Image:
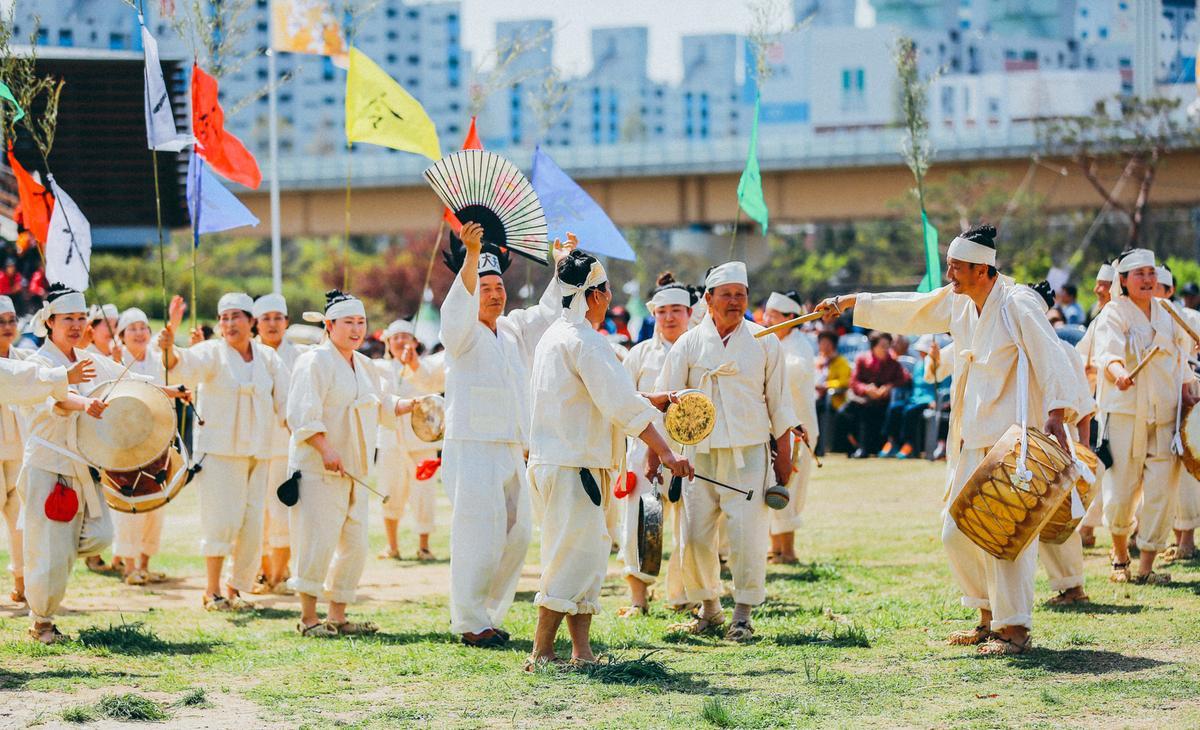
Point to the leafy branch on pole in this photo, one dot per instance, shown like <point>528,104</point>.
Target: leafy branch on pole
<point>914,98</point>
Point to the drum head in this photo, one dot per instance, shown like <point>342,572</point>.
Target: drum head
<point>691,419</point>
<point>650,533</point>
<point>136,429</point>
<point>1189,433</point>
<point>429,418</point>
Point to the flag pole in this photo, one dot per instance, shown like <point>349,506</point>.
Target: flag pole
<point>346,229</point>
<point>737,221</point>
<point>196,229</point>
<point>162,257</point>
<point>273,161</point>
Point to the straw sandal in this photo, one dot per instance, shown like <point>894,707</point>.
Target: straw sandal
<point>740,631</point>
<point>999,646</point>
<point>101,567</point>
<point>48,635</point>
<point>353,628</point>
<point>389,554</point>
<point>970,637</point>
<point>425,555</point>
<point>532,664</point>
<point>319,630</point>
<point>1175,554</point>
<point>155,576</point>
<point>1120,572</point>
<point>281,589</point>
<point>1068,598</point>
<point>16,596</point>
<point>237,603</point>
<point>486,639</point>
<point>137,578</point>
<point>699,625</point>
<point>1151,579</point>
<point>633,611</point>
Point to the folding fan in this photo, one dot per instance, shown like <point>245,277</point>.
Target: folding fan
<point>483,187</point>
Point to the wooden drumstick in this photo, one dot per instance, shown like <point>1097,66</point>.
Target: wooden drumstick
<point>816,459</point>
<point>790,323</point>
<point>1179,320</point>
<point>368,487</point>
<point>1145,361</point>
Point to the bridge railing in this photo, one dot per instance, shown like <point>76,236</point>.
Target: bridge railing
<point>805,150</point>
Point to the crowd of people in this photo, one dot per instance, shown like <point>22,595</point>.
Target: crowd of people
<point>550,422</point>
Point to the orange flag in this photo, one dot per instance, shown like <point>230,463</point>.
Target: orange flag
<point>36,203</point>
<point>470,143</point>
<point>223,152</point>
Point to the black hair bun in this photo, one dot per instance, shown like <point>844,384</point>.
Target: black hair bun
<point>333,296</point>
<point>1045,291</point>
<point>58,289</point>
<point>575,267</point>
<point>665,278</point>
<point>984,234</point>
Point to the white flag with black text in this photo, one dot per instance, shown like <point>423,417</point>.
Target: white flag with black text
<point>161,134</point>
<point>68,242</point>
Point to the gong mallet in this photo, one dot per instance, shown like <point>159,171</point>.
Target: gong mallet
<point>816,459</point>
<point>1145,361</point>
<point>1180,320</point>
<point>366,486</point>
<point>199,419</point>
<point>794,322</point>
<point>677,487</point>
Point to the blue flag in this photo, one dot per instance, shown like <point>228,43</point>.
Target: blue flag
<point>219,209</point>
<point>569,208</point>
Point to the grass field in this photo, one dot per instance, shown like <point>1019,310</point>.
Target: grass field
<point>852,638</point>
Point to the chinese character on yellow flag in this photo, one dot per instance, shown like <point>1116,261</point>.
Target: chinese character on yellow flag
<point>306,26</point>
<point>380,111</point>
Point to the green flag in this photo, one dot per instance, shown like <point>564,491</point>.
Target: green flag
<point>750,191</point>
<point>6,93</point>
<point>933,261</point>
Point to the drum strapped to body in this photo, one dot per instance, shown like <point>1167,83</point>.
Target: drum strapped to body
<point>429,418</point>
<point>690,417</point>
<point>1189,434</point>
<point>1062,522</point>
<point>650,532</point>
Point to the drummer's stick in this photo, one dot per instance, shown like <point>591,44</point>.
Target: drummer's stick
<point>1180,320</point>
<point>1145,361</point>
<point>368,487</point>
<point>816,459</point>
<point>196,413</point>
<point>795,321</point>
<point>119,379</point>
<point>749,494</point>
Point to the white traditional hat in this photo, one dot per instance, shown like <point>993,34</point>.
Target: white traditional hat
<point>235,301</point>
<point>6,306</point>
<point>1164,276</point>
<point>398,327</point>
<point>1106,273</point>
<point>732,272</point>
<point>783,303</point>
<point>269,303</point>
<point>129,316</point>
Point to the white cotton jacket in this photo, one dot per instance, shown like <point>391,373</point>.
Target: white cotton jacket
<point>399,380</point>
<point>800,368</point>
<point>584,402</point>
<point>328,396</point>
<point>281,436</point>
<point>1123,334</point>
<point>241,413</point>
<point>23,384</point>
<point>984,402</point>
<point>745,379</point>
<point>487,373</point>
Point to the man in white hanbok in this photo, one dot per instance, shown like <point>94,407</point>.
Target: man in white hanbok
<point>1086,349</point>
<point>242,385</point>
<point>1141,490</point>
<point>800,369</point>
<point>487,432</point>
<point>334,409</point>
<point>672,308</point>
<point>990,320</point>
<point>745,378</point>
<point>585,405</point>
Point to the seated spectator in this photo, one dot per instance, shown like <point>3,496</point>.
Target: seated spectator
<point>904,427</point>
<point>900,346</point>
<point>876,374</point>
<point>833,381</point>
<point>1057,321</point>
<point>1069,306</point>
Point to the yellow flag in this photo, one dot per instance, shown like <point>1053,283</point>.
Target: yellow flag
<point>306,26</point>
<point>380,111</point>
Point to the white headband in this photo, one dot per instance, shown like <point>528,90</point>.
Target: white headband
<point>346,308</point>
<point>733,272</point>
<point>399,327</point>
<point>596,276</point>
<point>1164,276</point>
<point>783,303</point>
<point>971,252</point>
<point>129,316</point>
<point>66,304</point>
<point>269,303</point>
<point>488,262</point>
<point>1106,273</point>
<point>108,312</point>
<point>234,301</point>
<point>6,306</point>
<point>671,296</point>
<point>1136,259</point>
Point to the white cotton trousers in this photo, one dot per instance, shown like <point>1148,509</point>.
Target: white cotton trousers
<point>746,523</point>
<point>1005,587</point>
<point>276,534</point>
<point>1095,512</point>
<point>789,518</point>
<point>1063,563</point>
<point>232,491</point>
<point>137,534</point>
<point>329,537</point>
<point>52,547</point>
<point>574,536</point>
<point>396,475</point>
<point>1154,482</point>
<point>490,530</point>
<point>1188,515</point>
<point>10,505</point>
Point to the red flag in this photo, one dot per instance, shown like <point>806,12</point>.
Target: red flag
<point>36,203</point>
<point>470,143</point>
<point>224,152</point>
